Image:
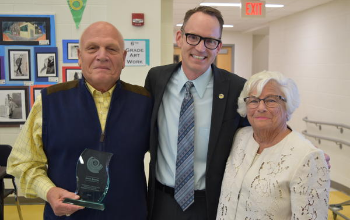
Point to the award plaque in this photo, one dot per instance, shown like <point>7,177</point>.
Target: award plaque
<point>92,179</point>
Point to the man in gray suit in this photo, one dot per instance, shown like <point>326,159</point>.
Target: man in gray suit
<point>215,92</point>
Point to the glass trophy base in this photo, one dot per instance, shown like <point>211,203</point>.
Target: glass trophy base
<point>87,204</point>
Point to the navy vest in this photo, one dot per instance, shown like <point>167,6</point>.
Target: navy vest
<point>71,124</point>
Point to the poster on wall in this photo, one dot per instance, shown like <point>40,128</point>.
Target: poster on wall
<point>70,73</point>
<point>138,52</point>
<point>25,30</point>
<point>46,64</point>
<point>13,105</point>
<point>46,61</point>
<point>19,64</point>
<point>70,51</point>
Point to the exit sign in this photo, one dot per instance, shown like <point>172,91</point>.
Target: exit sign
<point>253,9</point>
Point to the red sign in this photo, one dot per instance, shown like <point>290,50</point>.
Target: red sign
<point>253,9</point>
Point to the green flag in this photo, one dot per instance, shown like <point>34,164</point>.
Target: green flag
<point>77,8</point>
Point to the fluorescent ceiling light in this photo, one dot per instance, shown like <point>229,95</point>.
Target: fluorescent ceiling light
<point>274,6</point>
<point>238,5</point>
<point>225,25</point>
<point>221,4</point>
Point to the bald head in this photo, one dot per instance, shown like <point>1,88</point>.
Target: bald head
<point>101,55</point>
<point>102,28</point>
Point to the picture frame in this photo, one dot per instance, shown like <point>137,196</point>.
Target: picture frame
<point>70,51</point>
<point>46,64</point>
<point>13,105</point>
<point>35,91</point>
<point>70,73</point>
<point>19,64</point>
<point>26,30</point>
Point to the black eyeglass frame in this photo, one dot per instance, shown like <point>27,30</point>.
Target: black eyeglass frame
<point>278,96</point>
<point>202,38</point>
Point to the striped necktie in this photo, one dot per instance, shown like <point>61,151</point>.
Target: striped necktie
<point>184,179</point>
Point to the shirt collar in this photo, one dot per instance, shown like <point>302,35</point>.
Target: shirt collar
<point>200,84</point>
<point>93,90</point>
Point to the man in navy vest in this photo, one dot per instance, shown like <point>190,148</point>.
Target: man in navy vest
<point>98,112</point>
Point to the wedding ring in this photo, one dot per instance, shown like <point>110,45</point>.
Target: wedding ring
<point>67,215</point>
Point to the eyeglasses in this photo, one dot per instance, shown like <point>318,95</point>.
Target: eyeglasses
<point>271,101</point>
<point>194,40</point>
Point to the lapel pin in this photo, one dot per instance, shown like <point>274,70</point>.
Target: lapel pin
<point>221,96</point>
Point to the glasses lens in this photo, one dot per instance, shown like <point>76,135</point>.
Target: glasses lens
<point>252,102</point>
<point>271,101</point>
<point>192,39</point>
<point>211,43</point>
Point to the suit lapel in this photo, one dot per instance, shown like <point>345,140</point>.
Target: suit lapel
<point>220,95</point>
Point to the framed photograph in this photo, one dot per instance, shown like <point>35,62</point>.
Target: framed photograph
<point>19,64</point>
<point>35,91</point>
<point>46,64</point>
<point>70,51</point>
<point>70,73</point>
<point>13,105</point>
<point>25,30</point>
<point>73,51</point>
<point>2,68</point>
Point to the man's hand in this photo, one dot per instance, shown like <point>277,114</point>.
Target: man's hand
<point>55,197</point>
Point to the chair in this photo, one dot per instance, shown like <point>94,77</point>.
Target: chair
<point>336,208</point>
<point>4,154</point>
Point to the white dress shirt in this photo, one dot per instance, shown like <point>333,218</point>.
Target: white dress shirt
<point>168,121</point>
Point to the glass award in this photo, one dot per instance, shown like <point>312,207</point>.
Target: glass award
<point>92,179</point>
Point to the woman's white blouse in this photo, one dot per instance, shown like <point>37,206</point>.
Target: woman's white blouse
<point>289,180</point>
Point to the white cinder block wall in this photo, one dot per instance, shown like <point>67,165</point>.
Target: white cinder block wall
<point>313,48</point>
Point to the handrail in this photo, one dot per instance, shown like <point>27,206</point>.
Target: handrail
<point>319,123</point>
<point>337,141</point>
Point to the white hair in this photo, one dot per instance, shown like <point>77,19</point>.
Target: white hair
<point>258,82</point>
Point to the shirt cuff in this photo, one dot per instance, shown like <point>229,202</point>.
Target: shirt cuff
<point>43,187</point>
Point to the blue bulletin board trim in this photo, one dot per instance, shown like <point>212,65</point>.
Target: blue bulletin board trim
<point>66,56</point>
<point>147,48</point>
<point>7,70</point>
<point>45,80</point>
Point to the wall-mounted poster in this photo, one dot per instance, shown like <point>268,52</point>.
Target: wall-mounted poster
<point>19,64</point>
<point>46,64</point>
<point>70,73</point>
<point>70,51</point>
<point>26,30</point>
<point>13,105</point>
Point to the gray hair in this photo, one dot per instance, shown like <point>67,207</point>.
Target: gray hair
<point>258,82</point>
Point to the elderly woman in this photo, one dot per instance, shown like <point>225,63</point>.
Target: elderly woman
<point>272,172</point>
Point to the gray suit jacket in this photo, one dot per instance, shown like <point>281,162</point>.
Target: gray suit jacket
<point>224,122</point>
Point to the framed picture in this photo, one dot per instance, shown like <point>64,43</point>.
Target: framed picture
<point>19,64</point>
<point>13,105</point>
<point>2,68</point>
<point>46,64</point>
<point>70,73</point>
<point>25,30</point>
<point>70,51</point>
<point>35,91</point>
